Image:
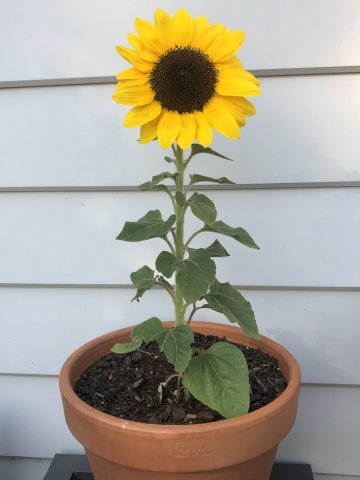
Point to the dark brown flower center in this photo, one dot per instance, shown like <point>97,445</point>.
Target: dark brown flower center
<point>184,79</point>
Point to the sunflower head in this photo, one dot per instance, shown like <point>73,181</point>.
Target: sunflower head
<point>184,80</point>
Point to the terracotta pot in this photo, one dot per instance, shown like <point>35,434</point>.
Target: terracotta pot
<point>238,448</point>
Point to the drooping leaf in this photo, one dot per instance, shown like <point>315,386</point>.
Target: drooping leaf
<point>195,274</point>
<point>149,226</point>
<point>195,178</point>
<point>238,234</point>
<point>176,345</point>
<point>225,299</point>
<point>165,263</point>
<point>203,208</point>
<point>219,378</point>
<point>143,279</point>
<point>196,149</point>
<point>214,250</point>
<point>156,179</point>
<point>126,347</point>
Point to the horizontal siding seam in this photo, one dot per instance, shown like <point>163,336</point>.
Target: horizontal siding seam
<point>291,288</point>
<point>102,80</point>
<point>133,188</point>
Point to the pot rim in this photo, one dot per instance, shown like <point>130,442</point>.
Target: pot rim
<point>245,421</point>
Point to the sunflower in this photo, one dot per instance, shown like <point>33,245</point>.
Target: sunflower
<point>184,80</point>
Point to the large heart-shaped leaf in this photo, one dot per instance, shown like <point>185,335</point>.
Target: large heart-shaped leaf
<point>225,299</point>
<point>149,226</point>
<point>238,234</point>
<point>219,378</point>
<point>195,274</point>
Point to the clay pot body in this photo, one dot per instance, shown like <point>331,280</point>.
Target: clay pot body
<point>239,448</point>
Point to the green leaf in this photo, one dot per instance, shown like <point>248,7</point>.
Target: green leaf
<point>196,149</point>
<point>238,234</point>
<point>156,180</point>
<point>176,345</point>
<point>203,208</point>
<point>149,226</point>
<point>143,279</point>
<point>165,263</point>
<point>195,274</point>
<point>126,347</point>
<point>148,330</point>
<point>174,342</point>
<point>214,250</point>
<point>225,299</point>
<point>170,160</point>
<point>180,199</point>
<point>201,178</point>
<point>219,378</point>
<point>217,250</point>
<point>145,331</point>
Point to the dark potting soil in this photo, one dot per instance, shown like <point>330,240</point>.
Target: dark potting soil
<point>137,386</point>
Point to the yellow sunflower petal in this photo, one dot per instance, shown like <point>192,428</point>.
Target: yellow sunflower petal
<point>132,56</point>
<point>163,22</point>
<point>235,109</point>
<point>134,41</point>
<point>136,96</point>
<point>151,36</point>
<point>133,82</point>
<point>221,118</point>
<point>226,45</point>
<point>142,49</point>
<point>187,132</point>
<point>182,28</point>
<point>138,116</point>
<point>230,74</point>
<point>233,62</point>
<point>209,36</point>
<point>200,25</point>
<point>247,107</point>
<point>239,84</point>
<point>148,132</point>
<point>169,128</point>
<point>131,74</point>
<point>204,133</point>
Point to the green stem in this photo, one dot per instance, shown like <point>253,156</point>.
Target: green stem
<point>193,236</point>
<point>169,290</point>
<point>195,309</point>
<point>169,243</point>
<point>179,232</point>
